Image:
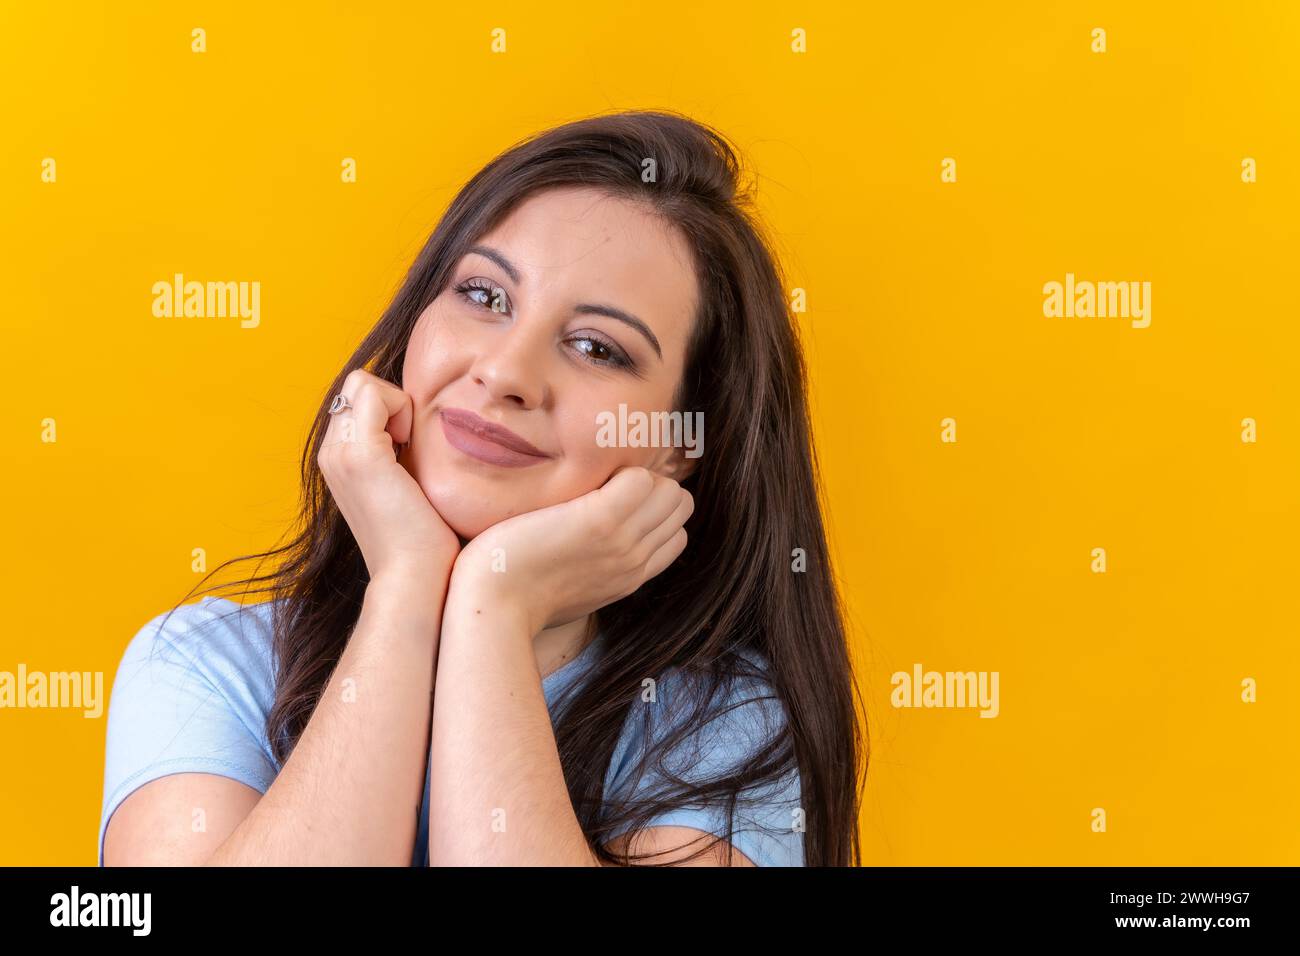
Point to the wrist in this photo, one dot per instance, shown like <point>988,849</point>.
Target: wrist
<point>479,601</point>
<point>410,584</point>
<point>476,575</point>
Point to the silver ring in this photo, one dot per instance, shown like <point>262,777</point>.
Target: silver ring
<point>339,404</point>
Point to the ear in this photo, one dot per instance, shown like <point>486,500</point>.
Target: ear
<point>672,463</point>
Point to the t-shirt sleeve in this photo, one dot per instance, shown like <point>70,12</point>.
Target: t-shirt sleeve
<point>768,823</point>
<point>186,699</point>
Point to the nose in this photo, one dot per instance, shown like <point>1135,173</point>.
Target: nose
<point>511,364</point>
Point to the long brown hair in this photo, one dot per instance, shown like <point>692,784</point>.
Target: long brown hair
<point>734,590</point>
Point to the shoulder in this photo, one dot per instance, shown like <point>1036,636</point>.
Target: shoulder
<point>690,726</point>
<point>199,669</point>
<point>217,639</point>
<point>740,715</point>
<point>687,728</point>
<point>192,693</point>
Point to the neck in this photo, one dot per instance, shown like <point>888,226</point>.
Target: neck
<point>556,646</point>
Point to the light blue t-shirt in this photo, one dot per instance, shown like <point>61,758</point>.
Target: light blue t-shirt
<point>194,698</point>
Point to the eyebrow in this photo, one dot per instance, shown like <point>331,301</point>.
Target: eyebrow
<point>585,308</point>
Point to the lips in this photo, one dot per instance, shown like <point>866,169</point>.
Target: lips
<point>486,441</point>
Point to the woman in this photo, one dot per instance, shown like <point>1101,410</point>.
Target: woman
<point>493,640</point>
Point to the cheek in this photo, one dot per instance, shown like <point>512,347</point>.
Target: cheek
<point>589,464</point>
<point>438,355</point>
<point>597,464</point>
<point>432,355</point>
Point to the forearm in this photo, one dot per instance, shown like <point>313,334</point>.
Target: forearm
<point>497,793</point>
<point>349,793</point>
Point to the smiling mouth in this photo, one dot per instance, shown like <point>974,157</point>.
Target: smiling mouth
<point>463,433</point>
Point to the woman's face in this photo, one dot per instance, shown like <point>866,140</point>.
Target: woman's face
<point>528,336</point>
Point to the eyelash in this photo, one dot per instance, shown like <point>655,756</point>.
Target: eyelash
<point>617,358</point>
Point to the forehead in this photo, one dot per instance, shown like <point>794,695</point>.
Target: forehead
<point>592,247</point>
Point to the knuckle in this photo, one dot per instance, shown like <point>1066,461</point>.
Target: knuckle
<point>639,478</point>
<point>353,380</point>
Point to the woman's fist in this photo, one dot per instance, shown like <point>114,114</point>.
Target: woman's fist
<point>395,526</point>
<point>558,564</point>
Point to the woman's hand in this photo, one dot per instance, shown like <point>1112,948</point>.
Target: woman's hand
<point>558,564</point>
<point>397,529</point>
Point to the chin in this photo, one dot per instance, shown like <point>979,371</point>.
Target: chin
<point>472,504</point>
<point>466,513</point>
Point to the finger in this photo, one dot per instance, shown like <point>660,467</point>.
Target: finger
<point>667,554</point>
<point>378,406</point>
<point>342,425</point>
<point>683,508</point>
<point>623,493</point>
<point>392,412</point>
<point>656,509</point>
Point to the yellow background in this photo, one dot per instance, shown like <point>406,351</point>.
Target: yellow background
<point>1118,690</point>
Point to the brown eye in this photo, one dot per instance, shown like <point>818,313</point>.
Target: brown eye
<point>600,352</point>
<point>484,294</point>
